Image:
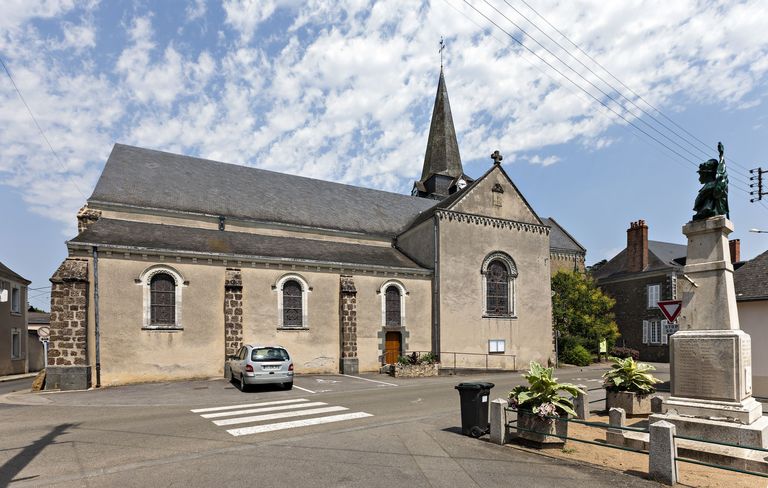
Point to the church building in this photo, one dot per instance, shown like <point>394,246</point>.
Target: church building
<point>180,260</point>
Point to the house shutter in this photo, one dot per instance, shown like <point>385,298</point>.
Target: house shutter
<point>645,332</point>
<point>664,331</point>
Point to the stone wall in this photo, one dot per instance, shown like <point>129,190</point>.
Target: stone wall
<point>233,311</point>
<point>85,217</point>
<point>69,312</point>
<point>68,367</point>
<point>415,370</point>
<point>348,318</point>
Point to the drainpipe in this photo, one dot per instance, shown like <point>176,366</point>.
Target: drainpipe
<point>436,291</point>
<point>96,313</point>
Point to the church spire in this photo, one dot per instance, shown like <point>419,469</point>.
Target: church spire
<point>442,170</point>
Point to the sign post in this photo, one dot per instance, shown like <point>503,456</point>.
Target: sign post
<point>44,333</point>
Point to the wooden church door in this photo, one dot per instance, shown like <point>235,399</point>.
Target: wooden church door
<point>392,346</point>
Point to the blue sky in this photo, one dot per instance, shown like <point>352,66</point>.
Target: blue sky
<point>343,91</point>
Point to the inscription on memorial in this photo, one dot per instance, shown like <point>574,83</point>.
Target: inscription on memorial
<point>705,368</point>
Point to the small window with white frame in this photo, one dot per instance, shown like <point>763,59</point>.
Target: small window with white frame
<point>654,295</point>
<point>292,302</point>
<point>653,333</point>
<point>496,346</point>
<point>393,295</point>
<point>15,298</point>
<point>15,343</point>
<point>162,293</point>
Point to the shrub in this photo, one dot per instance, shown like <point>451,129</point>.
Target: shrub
<point>414,358</point>
<point>577,355</point>
<point>625,352</point>
<point>428,358</point>
<point>541,395</point>
<point>627,375</point>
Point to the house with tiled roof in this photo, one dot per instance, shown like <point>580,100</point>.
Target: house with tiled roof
<point>179,261</point>
<point>751,284</point>
<point>642,274</point>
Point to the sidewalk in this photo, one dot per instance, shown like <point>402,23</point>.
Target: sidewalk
<point>14,377</point>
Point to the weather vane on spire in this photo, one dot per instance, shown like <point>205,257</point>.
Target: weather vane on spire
<point>442,46</point>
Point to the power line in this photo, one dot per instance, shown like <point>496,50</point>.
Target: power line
<point>576,84</point>
<point>612,76</point>
<point>623,108</point>
<point>42,133</point>
<point>584,90</point>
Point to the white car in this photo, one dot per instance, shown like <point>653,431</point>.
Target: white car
<point>260,365</point>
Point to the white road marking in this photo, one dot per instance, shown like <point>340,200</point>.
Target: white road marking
<point>257,429</point>
<point>260,410</point>
<point>303,389</point>
<point>281,415</point>
<point>263,404</point>
<point>366,379</point>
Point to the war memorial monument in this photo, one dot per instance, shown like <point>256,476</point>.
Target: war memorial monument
<point>710,357</point>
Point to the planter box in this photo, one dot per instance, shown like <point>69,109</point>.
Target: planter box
<point>632,403</point>
<point>414,370</point>
<point>544,428</point>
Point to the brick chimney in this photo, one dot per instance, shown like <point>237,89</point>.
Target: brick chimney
<point>637,246</point>
<point>735,246</point>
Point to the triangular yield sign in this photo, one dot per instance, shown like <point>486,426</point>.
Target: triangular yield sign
<point>670,308</point>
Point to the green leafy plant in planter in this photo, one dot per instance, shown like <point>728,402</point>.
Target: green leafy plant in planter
<point>542,394</point>
<point>628,375</point>
<point>541,409</point>
<point>629,385</point>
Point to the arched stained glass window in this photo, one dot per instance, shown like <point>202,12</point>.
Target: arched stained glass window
<point>497,288</point>
<point>162,289</point>
<point>292,304</point>
<point>392,304</point>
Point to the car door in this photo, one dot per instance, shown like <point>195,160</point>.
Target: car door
<point>235,363</point>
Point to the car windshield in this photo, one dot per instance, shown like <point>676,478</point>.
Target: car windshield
<point>269,354</point>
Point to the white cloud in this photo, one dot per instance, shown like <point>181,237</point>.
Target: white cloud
<point>544,161</point>
<point>196,10</point>
<point>344,90</point>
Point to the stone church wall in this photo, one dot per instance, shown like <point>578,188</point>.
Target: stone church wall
<point>418,243</point>
<point>463,247</point>
<point>130,354</point>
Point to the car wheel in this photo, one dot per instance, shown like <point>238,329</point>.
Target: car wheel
<point>288,386</point>
<point>243,385</point>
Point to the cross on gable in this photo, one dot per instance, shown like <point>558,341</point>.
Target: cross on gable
<point>497,157</point>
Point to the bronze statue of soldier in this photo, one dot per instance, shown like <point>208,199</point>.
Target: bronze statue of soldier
<point>712,199</point>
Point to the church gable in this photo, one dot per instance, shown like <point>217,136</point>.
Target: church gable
<point>494,195</point>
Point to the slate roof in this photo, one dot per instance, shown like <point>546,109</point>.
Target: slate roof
<point>38,318</point>
<point>10,274</point>
<point>154,179</point>
<point>442,155</point>
<point>661,256</point>
<point>160,237</point>
<point>751,279</point>
<point>559,238</point>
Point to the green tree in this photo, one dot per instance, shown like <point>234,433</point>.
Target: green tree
<point>581,312</point>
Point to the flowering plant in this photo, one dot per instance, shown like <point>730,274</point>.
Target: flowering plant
<point>541,395</point>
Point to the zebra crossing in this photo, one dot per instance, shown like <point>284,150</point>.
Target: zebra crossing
<point>259,413</point>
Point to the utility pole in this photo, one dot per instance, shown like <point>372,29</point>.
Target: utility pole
<point>759,189</point>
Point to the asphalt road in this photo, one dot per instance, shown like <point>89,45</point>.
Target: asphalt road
<point>388,432</point>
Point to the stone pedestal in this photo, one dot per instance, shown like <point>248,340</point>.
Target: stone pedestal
<point>712,376</point>
<point>710,358</point>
